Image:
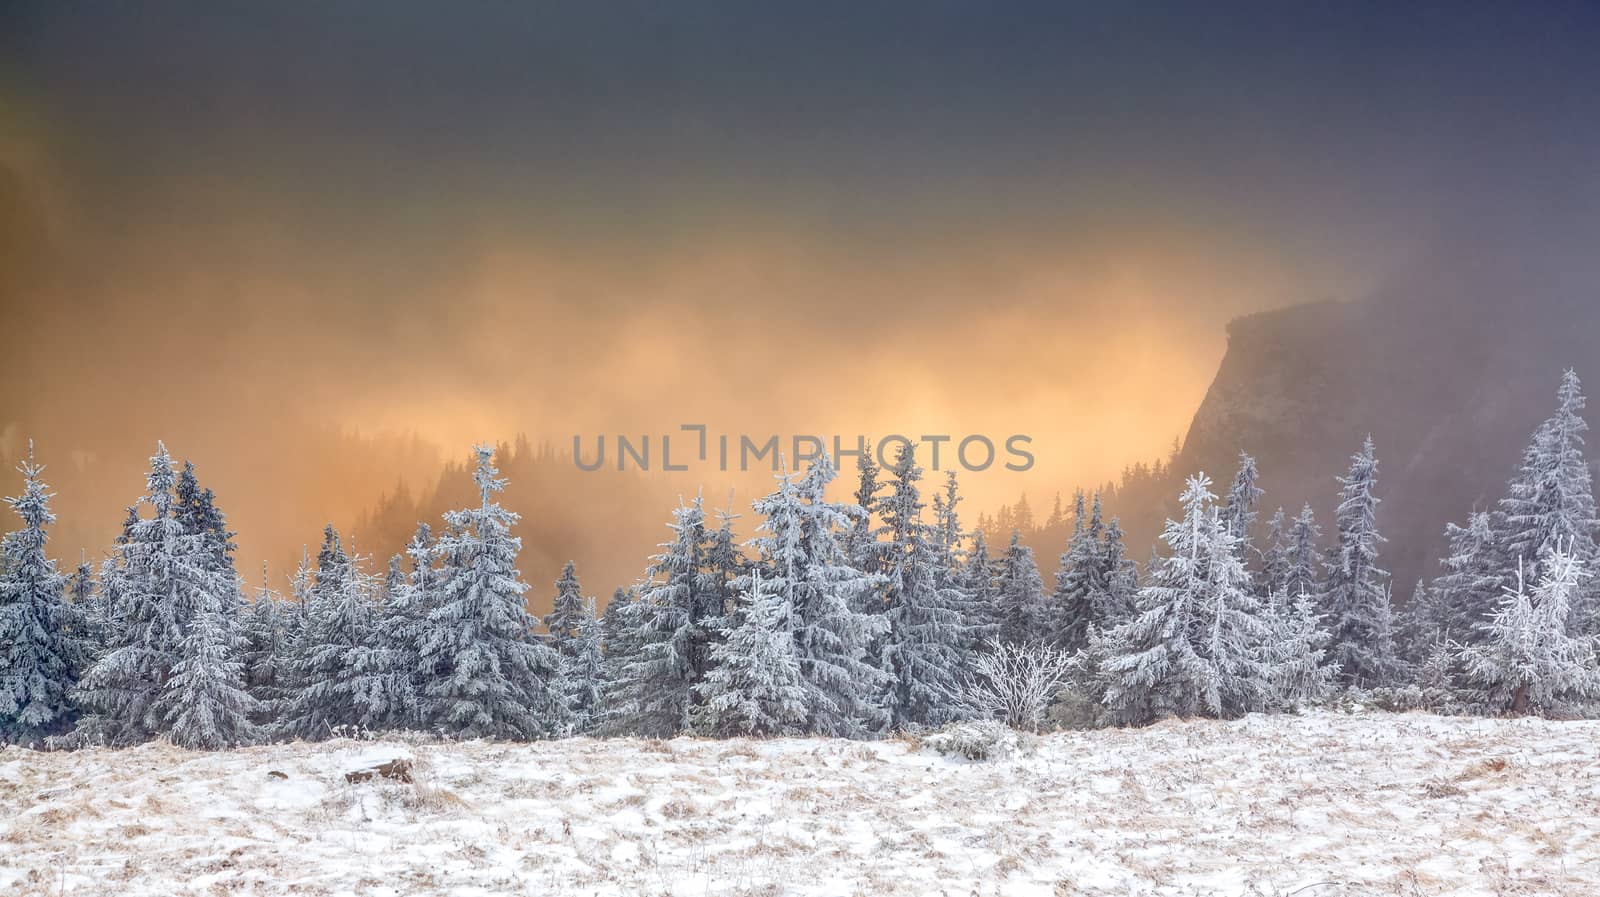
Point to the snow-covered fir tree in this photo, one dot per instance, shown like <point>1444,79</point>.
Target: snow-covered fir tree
<point>492,677</point>
<point>205,701</point>
<point>1356,596</point>
<point>1024,615</point>
<point>621,627</point>
<point>754,686</point>
<point>677,620</point>
<point>1274,556</point>
<point>1239,506</point>
<point>1423,624</point>
<point>567,610</point>
<point>1199,644</point>
<point>800,549</point>
<point>1476,574</point>
<point>196,511</point>
<point>1077,579</point>
<point>321,672</point>
<point>1297,650</point>
<point>161,579</point>
<point>980,579</point>
<point>386,673</point>
<point>39,658</point>
<point>725,564</point>
<point>266,647</point>
<point>90,617</point>
<point>1117,588</point>
<point>1302,563</point>
<point>583,671</point>
<point>862,544</point>
<point>923,649</point>
<point>1551,502</point>
<point>1527,660</point>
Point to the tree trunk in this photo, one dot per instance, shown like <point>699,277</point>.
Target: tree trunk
<point>1519,700</point>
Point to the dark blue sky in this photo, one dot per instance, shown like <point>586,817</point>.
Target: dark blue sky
<point>1375,115</point>
<point>474,219</point>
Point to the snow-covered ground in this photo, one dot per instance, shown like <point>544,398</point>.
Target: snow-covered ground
<point>1312,806</point>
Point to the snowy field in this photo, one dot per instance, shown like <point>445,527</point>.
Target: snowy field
<point>1311,806</point>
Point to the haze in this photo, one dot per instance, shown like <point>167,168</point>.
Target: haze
<point>319,252</point>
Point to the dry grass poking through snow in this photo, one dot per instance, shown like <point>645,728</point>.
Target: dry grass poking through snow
<point>1311,806</point>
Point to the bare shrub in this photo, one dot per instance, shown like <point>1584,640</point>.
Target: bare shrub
<point>1016,683</point>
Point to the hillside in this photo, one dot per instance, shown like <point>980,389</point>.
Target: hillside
<point>1315,806</point>
<point>1450,394</point>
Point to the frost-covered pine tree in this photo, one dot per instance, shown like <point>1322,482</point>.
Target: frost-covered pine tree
<point>1274,556</point>
<point>800,549</point>
<point>566,612</point>
<point>1077,579</point>
<point>1239,507</point>
<point>39,658</point>
<point>1297,651</point>
<point>583,671</point>
<point>205,702</point>
<point>621,625</point>
<point>980,579</point>
<point>754,686</point>
<point>492,678</point>
<point>1424,624</point>
<point>1025,617</point>
<point>1302,571</point>
<point>90,611</point>
<point>1200,642</point>
<point>196,511</point>
<point>386,673</point>
<point>1475,578</point>
<point>1551,502</point>
<point>321,672</point>
<point>162,578</point>
<point>266,646</point>
<point>1527,660</point>
<point>725,564</point>
<point>677,620</point>
<point>862,544</point>
<point>1356,596</point>
<point>1114,601</point>
<point>923,649</point>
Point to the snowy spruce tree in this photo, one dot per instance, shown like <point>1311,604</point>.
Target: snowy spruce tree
<point>1117,586</point>
<point>677,620</point>
<point>980,580</point>
<point>922,651</point>
<point>754,686</point>
<point>1025,618</point>
<point>1550,503</point>
<point>320,692</point>
<point>567,610</point>
<point>491,677</point>
<point>1476,575</point>
<point>161,579</point>
<point>266,645</point>
<point>1356,596</point>
<point>801,554</point>
<point>862,544</point>
<point>1302,561</point>
<point>1527,660</point>
<point>583,672</point>
<point>205,701</point>
<point>39,657</point>
<point>1239,506</point>
<point>1199,645</point>
<point>1078,579</point>
<point>1297,650</point>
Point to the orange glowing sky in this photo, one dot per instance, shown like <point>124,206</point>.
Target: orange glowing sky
<point>430,230</point>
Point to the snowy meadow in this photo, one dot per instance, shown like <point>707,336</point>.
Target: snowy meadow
<point>1318,805</point>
